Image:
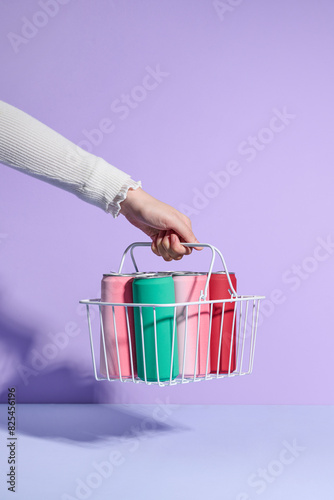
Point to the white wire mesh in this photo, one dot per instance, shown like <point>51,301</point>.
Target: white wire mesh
<point>233,350</point>
<point>175,343</point>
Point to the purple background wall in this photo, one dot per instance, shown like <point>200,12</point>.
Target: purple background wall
<point>228,73</point>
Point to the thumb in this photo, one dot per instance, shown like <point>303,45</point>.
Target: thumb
<point>185,232</point>
<point>198,248</point>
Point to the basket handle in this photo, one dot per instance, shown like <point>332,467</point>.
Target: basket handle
<point>214,250</point>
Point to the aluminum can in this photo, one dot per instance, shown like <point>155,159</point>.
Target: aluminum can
<point>156,341</point>
<point>225,323</point>
<point>118,327</point>
<point>192,321</point>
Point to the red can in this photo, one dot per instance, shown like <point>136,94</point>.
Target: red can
<point>223,329</point>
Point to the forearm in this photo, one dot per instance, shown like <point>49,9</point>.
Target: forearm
<point>30,146</point>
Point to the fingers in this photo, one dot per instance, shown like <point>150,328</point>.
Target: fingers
<point>163,245</point>
<point>154,247</point>
<point>172,246</point>
<point>176,249</point>
<point>167,244</point>
<point>182,226</point>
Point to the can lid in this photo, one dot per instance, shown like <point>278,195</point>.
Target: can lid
<point>133,275</point>
<point>188,273</point>
<point>181,272</point>
<point>223,272</point>
<point>118,274</point>
<point>148,276</point>
<point>142,273</point>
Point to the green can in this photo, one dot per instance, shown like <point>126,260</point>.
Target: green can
<point>156,353</point>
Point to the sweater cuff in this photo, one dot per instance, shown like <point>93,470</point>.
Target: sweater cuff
<point>115,207</point>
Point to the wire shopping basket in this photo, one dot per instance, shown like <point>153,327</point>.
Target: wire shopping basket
<point>183,327</point>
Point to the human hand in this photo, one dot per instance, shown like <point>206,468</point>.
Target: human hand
<point>165,225</point>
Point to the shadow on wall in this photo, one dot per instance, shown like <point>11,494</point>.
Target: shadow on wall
<point>57,383</point>
<point>79,423</point>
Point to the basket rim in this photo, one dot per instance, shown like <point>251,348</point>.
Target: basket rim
<point>238,298</point>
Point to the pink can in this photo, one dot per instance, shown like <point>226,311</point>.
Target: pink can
<point>120,341</point>
<point>188,287</point>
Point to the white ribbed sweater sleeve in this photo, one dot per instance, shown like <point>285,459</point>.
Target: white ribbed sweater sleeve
<point>30,146</point>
